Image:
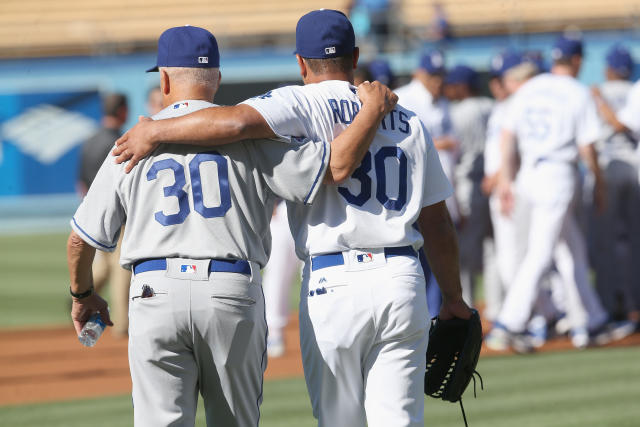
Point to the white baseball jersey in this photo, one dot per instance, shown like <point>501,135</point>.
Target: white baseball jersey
<point>630,113</point>
<point>612,144</point>
<point>552,131</point>
<point>378,204</point>
<point>434,115</point>
<point>186,201</point>
<point>492,154</point>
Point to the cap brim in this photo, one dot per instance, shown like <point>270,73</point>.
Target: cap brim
<point>151,70</point>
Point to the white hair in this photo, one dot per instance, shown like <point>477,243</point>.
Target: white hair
<point>193,76</point>
<point>522,72</point>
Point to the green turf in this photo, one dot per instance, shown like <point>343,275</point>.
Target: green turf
<point>33,279</point>
<point>592,388</point>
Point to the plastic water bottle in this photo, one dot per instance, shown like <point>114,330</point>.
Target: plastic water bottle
<point>91,330</point>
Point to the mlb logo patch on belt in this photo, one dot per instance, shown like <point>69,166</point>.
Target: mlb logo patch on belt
<point>364,258</point>
<point>188,268</point>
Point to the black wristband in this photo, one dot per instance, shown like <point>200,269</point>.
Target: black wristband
<point>82,294</point>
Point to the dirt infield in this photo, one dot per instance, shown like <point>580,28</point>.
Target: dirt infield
<point>50,365</point>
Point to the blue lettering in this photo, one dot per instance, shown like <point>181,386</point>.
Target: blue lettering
<point>338,117</point>
<point>346,111</point>
<point>404,120</point>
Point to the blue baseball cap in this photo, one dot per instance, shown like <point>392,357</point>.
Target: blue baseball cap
<point>536,58</point>
<point>381,71</point>
<point>503,61</point>
<point>619,59</point>
<point>324,33</point>
<point>462,74</point>
<point>566,47</point>
<point>433,62</point>
<point>187,46</point>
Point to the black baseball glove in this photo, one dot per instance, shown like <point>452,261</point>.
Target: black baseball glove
<point>452,356</point>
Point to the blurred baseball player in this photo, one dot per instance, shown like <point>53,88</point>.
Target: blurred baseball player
<point>106,266</point>
<point>505,230</point>
<point>469,116</point>
<point>278,278</point>
<point>617,230</point>
<point>363,314</point>
<point>423,96</point>
<point>197,235</point>
<point>553,119</point>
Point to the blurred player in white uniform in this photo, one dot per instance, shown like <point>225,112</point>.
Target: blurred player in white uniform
<point>278,277</point>
<point>363,311</point>
<point>617,231</point>
<point>197,235</point>
<point>469,115</point>
<point>553,119</point>
<point>505,231</point>
<point>423,96</point>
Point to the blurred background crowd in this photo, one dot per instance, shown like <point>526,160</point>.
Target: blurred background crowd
<point>72,80</point>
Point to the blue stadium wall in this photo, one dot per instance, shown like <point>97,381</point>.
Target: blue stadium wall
<point>56,100</point>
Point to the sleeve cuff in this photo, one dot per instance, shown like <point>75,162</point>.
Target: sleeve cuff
<point>90,240</point>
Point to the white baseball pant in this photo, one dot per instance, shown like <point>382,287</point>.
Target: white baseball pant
<point>549,188</point>
<point>364,340</point>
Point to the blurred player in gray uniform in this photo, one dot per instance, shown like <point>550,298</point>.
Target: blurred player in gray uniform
<point>363,315</point>
<point>469,115</point>
<point>197,235</point>
<point>106,265</point>
<point>616,245</point>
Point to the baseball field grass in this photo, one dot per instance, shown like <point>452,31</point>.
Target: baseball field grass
<point>34,287</point>
<point>592,388</point>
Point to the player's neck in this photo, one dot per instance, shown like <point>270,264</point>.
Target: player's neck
<point>317,78</point>
<point>563,70</point>
<point>189,93</point>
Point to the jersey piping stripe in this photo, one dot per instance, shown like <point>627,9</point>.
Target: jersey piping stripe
<point>322,167</point>
<point>91,238</point>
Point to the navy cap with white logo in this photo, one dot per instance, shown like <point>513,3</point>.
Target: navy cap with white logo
<point>324,33</point>
<point>619,59</point>
<point>187,46</point>
<point>433,62</point>
<point>566,47</point>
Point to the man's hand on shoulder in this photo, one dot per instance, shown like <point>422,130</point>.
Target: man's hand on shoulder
<point>377,97</point>
<point>136,144</point>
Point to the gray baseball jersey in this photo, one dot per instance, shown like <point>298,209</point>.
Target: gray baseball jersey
<point>189,202</point>
<point>613,144</point>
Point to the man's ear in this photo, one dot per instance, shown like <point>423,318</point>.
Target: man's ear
<point>302,65</point>
<point>165,85</point>
<point>219,80</point>
<point>356,56</point>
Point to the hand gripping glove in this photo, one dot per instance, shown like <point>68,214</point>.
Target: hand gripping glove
<point>452,356</point>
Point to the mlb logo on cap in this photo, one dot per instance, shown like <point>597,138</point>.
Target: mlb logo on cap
<point>189,47</point>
